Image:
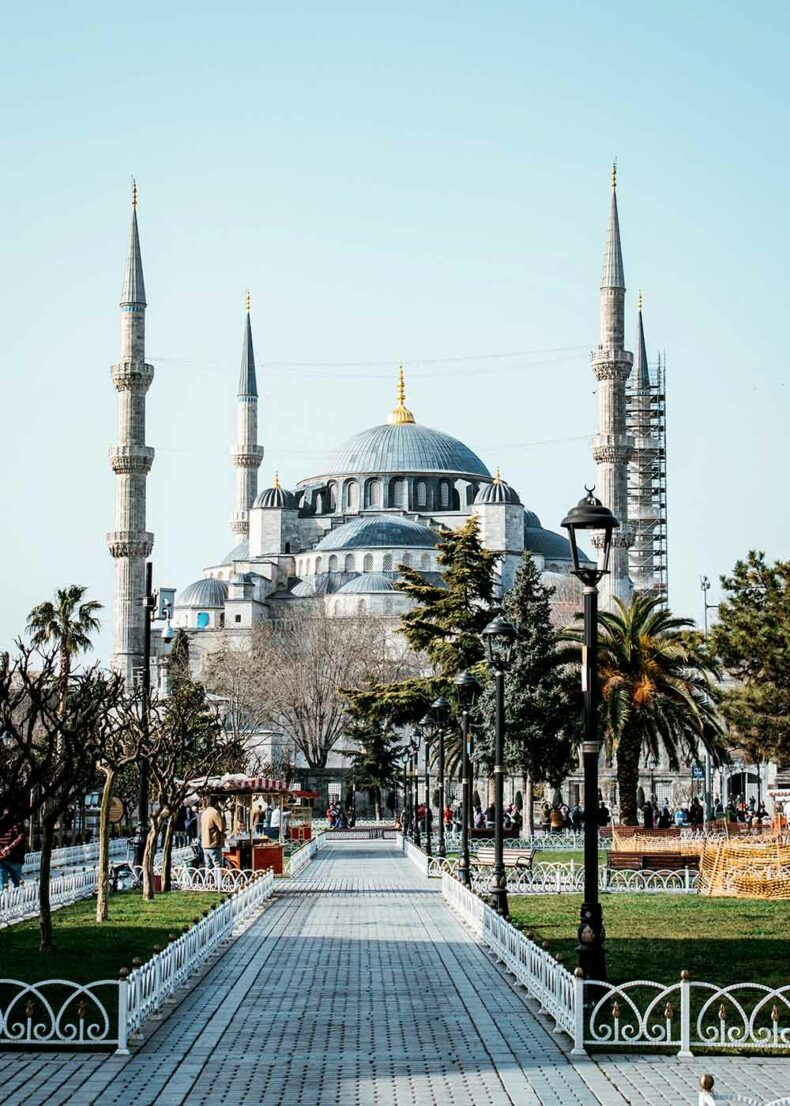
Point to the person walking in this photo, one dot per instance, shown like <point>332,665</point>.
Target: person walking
<point>12,853</point>
<point>212,833</point>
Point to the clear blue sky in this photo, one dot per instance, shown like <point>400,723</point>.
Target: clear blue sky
<point>416,181</point>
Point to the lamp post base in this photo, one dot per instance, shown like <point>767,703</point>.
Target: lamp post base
<point>590,950</point>
<point>499,894</point>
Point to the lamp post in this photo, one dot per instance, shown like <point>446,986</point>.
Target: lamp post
<point>590,514</point>
<point>704,584</point>
<point>499,638</point>
<point>440,709</point>
<point>467,689</point>
<point>150,614</point>
<point>427,726</point>
<point>415,749</point>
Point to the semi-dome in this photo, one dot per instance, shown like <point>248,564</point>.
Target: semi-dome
<point>377,531</point>
<point>550,545</point>
<point>498,492</point>
<point>368,583</point>
<point>206,593</point>
<point>240,552</point>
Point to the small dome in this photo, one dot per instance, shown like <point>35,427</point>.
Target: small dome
<point>276,498</point>
<point>367,584</point>
<point>240,552</point>
<point>305,589</point>
<point>208,593</point>
<point>498,492</point>
<point>532,520</point>
<point>377,531</point>
<point>550,545</point>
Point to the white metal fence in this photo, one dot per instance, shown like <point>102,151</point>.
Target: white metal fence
<point>18,903</point>
<point>73,855</point>
<point>556,878</point>
<point>299,860</point>
<point>60,1013</point>
<point>415,855</point>
<point>684,1016</point>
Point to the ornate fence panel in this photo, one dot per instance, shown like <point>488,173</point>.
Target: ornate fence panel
<point>544,879</point>
<point>74,855</point>
<point>568,841</point>
<point>60,1013</point>
<point>21,902</point>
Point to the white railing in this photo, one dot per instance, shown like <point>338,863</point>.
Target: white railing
<point>59,1012</point>
<point>21,902</point>
<point>299,860</point>
<point>415,855</point>
<point>686,1015</point>
<point>154,983</point>
<point>73,855</point>
<point>567,841</point>
<point>544,879</point>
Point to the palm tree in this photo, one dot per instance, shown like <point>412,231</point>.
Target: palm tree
<point>66,623</point>
<point>656,691</point>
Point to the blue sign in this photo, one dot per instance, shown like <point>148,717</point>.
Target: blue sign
<point>697,772</point>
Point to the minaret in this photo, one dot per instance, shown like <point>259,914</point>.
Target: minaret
<point>247,454</point>
<point>131,459</point>
<point>641,505</point>
<point>611,446</point>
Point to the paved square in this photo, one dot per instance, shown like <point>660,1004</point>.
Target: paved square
<point>358,986</point>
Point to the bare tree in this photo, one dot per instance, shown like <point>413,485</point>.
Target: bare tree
<point>54,727</point>
<point>291,673</point>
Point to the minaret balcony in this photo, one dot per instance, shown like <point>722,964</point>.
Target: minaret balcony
<point>130,543</point>
<point>611,449</point>
<point>127,375</point>
<point>135,459</point>
<point>247,456</point>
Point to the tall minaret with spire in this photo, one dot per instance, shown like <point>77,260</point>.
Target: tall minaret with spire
<point>611,445</point>
<point>641,503</point>
<point>131,459</point>
<point>247,454</point>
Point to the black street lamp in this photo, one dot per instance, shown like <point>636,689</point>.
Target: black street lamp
<point>590,514</point>
<point>427,726</point>
<point>440,710</point>
<point>415,749</point>
<point>150,614</point>
<point>467,689</point>
<point>499,637</point>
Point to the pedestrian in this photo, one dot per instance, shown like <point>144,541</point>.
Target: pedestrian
<point>12,853</point>
<point>212,833</point>
<point>647,814</point>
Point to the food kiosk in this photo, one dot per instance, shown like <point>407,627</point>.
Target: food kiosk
<point>250,845</point>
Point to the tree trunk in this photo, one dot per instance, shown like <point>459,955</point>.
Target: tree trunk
<point>628,756</point>
<point>377,803</point>
<point>167,854</point>
<point>103,871</point>
<point>45,873</point>
<point>149,854</point>
<point>491,790</point>
<point>529,798</point>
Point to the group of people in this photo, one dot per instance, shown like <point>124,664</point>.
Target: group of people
<point>692,814</point>
<point>339,818</point>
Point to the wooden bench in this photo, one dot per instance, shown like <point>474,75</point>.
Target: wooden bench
<point>513,858</point>
<point>652,862</point>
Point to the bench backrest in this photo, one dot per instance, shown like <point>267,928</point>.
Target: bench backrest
<point>511,856</point>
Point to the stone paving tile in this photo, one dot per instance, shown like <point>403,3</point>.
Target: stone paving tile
<point>357,986</point>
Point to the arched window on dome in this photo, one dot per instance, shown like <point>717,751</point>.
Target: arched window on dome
<point>352,495</point>
<point>422,493</point>
<point>367,564</point>
<point>388,606</point>
<point>398,492</point>
<point>317,565</point>
<point>333,563</point>
<point>388,562</point>
<point>350,563</point>
<point>331,496</point>
<point>425,562</point>
<point>373,493</point>
<point>444,495</point>
<point>406,560</point>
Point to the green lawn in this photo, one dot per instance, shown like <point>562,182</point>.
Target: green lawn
<point>654,936</point>
<point>85,951</point>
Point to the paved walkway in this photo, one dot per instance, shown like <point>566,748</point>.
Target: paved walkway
<point>357,986</point>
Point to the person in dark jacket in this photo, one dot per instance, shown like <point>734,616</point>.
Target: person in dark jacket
<point>12,854</point>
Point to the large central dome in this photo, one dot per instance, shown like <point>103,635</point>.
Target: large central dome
<point>408,447</point>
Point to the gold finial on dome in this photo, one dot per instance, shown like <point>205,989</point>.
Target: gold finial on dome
<point>277,483</point>
<point>497,476</point>
<point>248,301</point>
<point>401,414</point>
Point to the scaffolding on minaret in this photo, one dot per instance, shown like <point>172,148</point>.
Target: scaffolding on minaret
<point>646,421</point>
